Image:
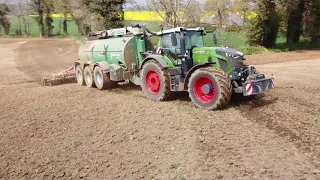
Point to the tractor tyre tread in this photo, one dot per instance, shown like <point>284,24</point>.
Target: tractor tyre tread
<point>92,85</point>
<point>107,82</point>
<point>224,85</point>
<point>166,93</point>
<point>80,81</point>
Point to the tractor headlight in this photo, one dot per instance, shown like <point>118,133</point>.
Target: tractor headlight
<point>232,55</point>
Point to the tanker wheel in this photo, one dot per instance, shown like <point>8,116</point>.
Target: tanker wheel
<point>155,82</point>
<point>79,75</point>
<point>102,80</point>
<point>88,77</point>
<point>209,88</point>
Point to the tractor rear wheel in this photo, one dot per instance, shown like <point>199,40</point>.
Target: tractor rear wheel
<point>102,80</point>
<point>155,82</point>
<point>88,77</point>
<point>209,88</point>
<point>79,75</point>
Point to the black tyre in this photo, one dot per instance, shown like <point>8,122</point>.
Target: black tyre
<point>79,75</point>
<point>209,88</point>
<point>102,80</point>
<point>88,77</point>
<point>155,82</point>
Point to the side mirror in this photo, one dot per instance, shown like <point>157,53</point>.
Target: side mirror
<point>174,39</point>
<point>215,40</point>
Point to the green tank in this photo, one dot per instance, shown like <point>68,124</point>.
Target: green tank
<point>119,48</point>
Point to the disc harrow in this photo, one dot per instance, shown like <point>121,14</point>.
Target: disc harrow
<point>64,77</point>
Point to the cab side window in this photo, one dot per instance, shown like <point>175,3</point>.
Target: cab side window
<point>166,43</point>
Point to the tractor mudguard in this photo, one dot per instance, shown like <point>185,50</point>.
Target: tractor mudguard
<point>160,59</point>
<point>193,69</point>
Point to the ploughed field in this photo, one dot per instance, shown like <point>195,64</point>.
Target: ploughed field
<point>73,132</point>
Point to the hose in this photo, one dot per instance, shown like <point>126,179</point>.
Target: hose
<point>150,32</point>
<point>144,27</point>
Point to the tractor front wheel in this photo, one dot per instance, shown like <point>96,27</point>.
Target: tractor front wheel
<point>102,80</point>
<point>209,88</point>
<point>155,82</point>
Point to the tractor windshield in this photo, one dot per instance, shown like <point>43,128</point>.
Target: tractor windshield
<point>193,38</point>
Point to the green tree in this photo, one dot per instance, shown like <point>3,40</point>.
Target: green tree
<point>294,12</point>
<point>312,20</point>
<point>19,9</point>
<point>48,7</point>
<point>4,22</point>
<point>38,6</point>
<point>108,13</point>
<point>81,15</point>
<point>265,27</point>
<point>63,7</point>
<point>44,9</point>
<point>92,15</point>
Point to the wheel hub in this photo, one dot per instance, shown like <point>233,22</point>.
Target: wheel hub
<point>204,90</point>
<point>207,89</point>
<point>153,82</point>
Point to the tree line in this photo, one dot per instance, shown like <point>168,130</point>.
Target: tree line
<point>300,18</point>
<point>89,15</point>
<point>295,18</point>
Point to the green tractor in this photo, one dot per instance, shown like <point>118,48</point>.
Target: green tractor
<point>179,63</point>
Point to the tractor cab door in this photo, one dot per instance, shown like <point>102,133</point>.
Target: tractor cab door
<point>167,44</point>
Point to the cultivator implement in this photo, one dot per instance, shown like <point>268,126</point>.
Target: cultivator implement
<point>64,77</point>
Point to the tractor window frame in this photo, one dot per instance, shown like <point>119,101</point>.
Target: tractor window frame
<point>166,43</point>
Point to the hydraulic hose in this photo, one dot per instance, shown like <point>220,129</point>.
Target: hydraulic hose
<point>148,30</point>
<point>144,27</point>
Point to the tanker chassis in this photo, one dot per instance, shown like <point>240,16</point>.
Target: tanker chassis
<point>180,62</point>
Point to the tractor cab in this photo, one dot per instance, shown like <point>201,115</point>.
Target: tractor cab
<point>172,40</point>
<point>186,45</point>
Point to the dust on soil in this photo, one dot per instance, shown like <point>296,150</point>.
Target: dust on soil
<point>72,132</point>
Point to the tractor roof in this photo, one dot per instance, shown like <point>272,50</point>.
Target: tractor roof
<point>178,29</point>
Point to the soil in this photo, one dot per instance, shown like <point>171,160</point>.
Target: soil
<point>74,132</point>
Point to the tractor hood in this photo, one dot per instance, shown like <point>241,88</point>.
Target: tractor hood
<point>235,57</point>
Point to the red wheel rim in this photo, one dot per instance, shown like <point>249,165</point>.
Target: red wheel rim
<point>197,88</point>
<point>153,82</point>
